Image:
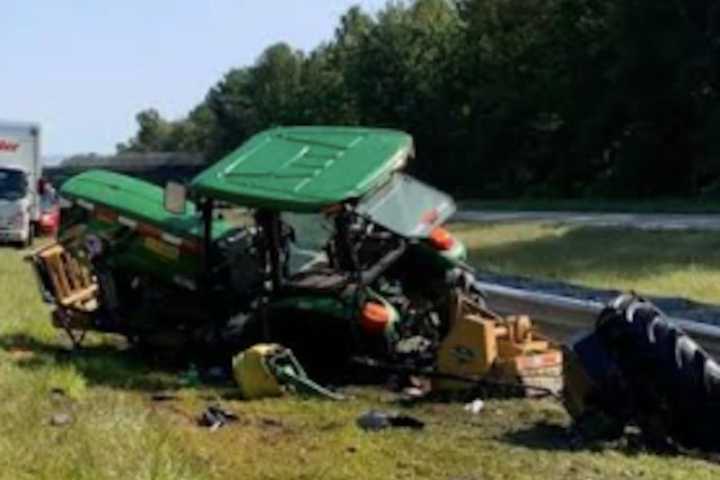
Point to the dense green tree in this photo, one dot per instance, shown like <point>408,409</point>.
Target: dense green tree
<point>153,133</point>
<point>503,97</point>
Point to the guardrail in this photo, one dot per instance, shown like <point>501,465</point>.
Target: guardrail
<point>563,317</point>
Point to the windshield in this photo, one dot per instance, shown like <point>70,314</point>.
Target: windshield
<point>312,232</point>
<point>407,207</point>
<point>13,184</point>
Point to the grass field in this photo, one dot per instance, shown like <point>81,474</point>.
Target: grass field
<point>117,432</point>
<point>655,205</point>
<point>684,264</point>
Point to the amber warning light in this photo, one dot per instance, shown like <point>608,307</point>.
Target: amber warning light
<point>441,239</point>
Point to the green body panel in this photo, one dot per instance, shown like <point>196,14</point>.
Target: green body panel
<point>304,169</point>
<point>137,200</point>
<point>142,202</point>
<point>340,308</point>
<point>129,251</point>
<point>440,261</point>
<point>133,254</point>
<point>325,305</point>
<point>457,254</point>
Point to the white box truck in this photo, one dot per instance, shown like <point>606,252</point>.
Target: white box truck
<point>20,178</point>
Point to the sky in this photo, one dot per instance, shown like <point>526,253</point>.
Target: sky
<point>82,69</point>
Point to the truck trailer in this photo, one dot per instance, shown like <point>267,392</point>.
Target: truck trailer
<point>20,181</point>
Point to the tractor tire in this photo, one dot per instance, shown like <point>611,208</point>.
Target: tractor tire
<point>673,379</point>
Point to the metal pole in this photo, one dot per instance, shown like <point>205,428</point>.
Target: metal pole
<point>565,316</point>
<point>207,213</point>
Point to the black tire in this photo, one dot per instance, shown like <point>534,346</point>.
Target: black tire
<point>672,378</point>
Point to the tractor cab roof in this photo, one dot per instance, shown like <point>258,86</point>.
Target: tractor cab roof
<point>304,169</point>
<point>136,200</point>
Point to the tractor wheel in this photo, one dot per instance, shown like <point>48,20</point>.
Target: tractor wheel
<point>672,376</point>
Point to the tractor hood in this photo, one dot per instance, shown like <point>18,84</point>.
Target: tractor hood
<point>304,169</point>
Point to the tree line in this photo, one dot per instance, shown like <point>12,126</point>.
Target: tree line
<point>552,98</point>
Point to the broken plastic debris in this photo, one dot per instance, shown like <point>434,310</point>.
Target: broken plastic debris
<point>474,407</point>
<point>375,420</point>
<point>215,417</point>
<point>60,420</point>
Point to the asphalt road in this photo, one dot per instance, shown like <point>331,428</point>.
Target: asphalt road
<point>645,221</point>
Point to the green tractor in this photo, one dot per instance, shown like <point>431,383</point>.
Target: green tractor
<point>311,237</point>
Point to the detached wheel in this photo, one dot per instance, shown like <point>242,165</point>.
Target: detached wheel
<point>675,384</point>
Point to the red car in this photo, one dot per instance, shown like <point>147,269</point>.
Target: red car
<point>49,216</point>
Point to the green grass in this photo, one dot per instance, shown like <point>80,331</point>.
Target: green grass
<point>684,264</point>
<point>659,205</point>
<point>117,432</point>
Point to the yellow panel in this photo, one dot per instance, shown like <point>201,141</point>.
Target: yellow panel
<point>469,350</point>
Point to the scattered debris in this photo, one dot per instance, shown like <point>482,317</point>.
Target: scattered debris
<point>375,420</point>
<point>57,394</point>
<point>215,417</point>
<point>414,393</point>
<point>501,388</point>
<point>474,407</point>
<point>270,370</point>
<point>418,387</point>
<point>60,419</point>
